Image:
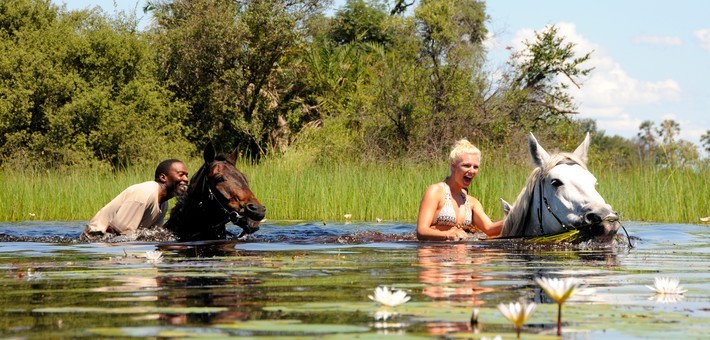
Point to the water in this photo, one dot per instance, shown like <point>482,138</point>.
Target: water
<point>312,280</point>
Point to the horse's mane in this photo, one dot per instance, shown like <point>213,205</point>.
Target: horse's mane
<point>195,180</point>
<point>515,221</point>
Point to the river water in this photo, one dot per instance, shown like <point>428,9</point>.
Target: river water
<point>313,280</point>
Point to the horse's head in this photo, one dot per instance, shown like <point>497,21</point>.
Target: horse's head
<point>231,190</point>
<point>568,194</point>
<point>560,195</point>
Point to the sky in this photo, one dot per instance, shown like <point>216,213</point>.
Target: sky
<point>651,58</point>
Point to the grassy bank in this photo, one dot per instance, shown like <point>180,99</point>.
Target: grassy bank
<point>292,190</point>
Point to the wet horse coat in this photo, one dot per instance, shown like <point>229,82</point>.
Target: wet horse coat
<point>559,195</point>
<point>218,193</point>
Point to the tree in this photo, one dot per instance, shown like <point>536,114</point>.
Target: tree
<point>360,21</point>
<point>705,139</point>
<point>76,88</point>
<point>540,77</point>
<point>661,146</point>
<point>647,141</point>
<point>668,130</point>
<point>233,62</point>
<point>451,54</point>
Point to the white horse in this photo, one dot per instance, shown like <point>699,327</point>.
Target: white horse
<point>559,196</point>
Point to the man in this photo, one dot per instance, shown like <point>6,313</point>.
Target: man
<point>141,205</point>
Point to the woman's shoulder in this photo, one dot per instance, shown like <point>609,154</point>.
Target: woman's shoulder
<point>434,189</point>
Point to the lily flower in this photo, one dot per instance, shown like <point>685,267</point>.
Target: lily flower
<point>667,285</point>
<point>154,256</point>
<point>517,313</point>
<point>390,298</point>
<point>559,290</point>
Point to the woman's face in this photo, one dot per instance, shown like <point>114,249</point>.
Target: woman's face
<point>466,168</point>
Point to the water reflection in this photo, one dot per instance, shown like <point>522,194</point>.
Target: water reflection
<point>202,277</point>
<point>452,274</point>
<point>311,289</point>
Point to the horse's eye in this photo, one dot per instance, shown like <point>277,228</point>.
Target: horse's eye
<point>556,183</point>
<point>219,179</point>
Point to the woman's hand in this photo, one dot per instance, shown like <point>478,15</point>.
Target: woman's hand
<point>456,234</point>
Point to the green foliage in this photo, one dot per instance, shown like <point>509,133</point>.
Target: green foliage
<point>76,88</point>
<point>532,95</point>
<point>705,139</point>
<point>375,82</point>
<point>360,21</point>
<point>659,145</point>
<point>231,62</point>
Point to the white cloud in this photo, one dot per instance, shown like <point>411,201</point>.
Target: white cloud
<point>658,40</point>
<point>703,37</point>
<point>609,93</point>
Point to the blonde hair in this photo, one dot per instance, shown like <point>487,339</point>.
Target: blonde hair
<point>462,146</point>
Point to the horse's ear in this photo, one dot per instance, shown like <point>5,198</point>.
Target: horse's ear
<point>537,153</point>
<point>582,149</point>
<point>232,157</point>
<point>209,153</point>
<point>505,206</point>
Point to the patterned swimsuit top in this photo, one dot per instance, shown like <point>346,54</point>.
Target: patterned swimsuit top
<point>447,214</point>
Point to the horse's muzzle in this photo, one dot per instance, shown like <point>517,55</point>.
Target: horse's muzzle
<point>251,218</point>
<point>608,226</point>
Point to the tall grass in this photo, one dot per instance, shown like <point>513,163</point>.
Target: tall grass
<point>294,189</point>
<point>661,195</point>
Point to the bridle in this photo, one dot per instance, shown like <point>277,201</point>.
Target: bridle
<point>566,227</point>
<point>231,215</point>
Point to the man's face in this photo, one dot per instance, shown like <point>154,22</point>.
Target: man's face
<point>176,179</point>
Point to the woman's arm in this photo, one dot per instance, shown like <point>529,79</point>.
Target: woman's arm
<point>427,209</point>
<point>482,221</point>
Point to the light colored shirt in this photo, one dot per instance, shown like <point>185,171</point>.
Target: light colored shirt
<point>136,207</point>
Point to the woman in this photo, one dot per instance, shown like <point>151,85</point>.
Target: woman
<point>446,210</point>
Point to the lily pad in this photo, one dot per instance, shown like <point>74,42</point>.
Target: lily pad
<point>293,326</point>
<point>131,310</point>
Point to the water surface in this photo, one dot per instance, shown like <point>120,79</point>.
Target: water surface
<point>313,279</point>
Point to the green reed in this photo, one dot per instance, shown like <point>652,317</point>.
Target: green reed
<point>295,189</point>
<point>648,194</point>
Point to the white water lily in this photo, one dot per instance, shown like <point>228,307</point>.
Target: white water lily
<point>559,290</point>
<point>517,313</point>
<point>389,297</point>
<point>154,256</point>
<point>667,285</point>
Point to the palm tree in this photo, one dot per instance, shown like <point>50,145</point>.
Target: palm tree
<point>668,131</point>
<point>705,139</point>
<point>647,141</point>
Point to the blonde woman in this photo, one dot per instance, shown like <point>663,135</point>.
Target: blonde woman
<point>447,211</point>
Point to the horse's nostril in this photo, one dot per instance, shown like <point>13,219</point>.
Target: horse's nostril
<point>256,209</point>
<point>593,218</point>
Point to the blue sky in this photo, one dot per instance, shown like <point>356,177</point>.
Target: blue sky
<point>651,58</point>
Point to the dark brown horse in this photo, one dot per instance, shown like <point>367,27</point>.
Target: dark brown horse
<point>218,193</point>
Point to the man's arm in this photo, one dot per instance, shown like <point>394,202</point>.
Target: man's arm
<point>128,217</point>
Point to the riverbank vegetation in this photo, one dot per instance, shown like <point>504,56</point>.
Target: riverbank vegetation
<point>350,112</point>
<point>294,189</point>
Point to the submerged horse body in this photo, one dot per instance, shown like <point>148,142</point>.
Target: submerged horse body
<point>218,193</point>
<point>559,195</point>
